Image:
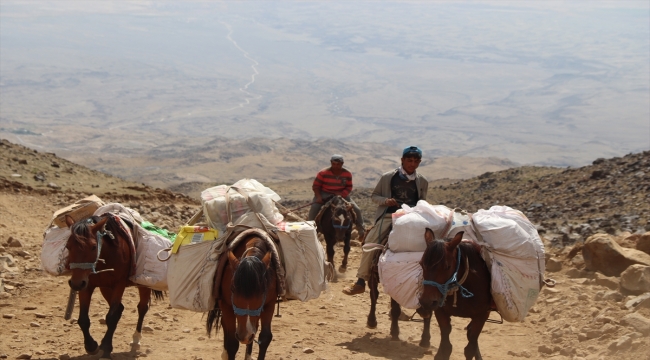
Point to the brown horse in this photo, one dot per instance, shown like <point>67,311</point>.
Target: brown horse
<point>456,283</point>
<point>101,255</point>
<point>248,294</point>
<point>335,222</point>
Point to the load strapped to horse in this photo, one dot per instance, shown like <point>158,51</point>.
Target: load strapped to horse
<point>242,262</point>
<point>250,207</point>
<point>73,244</point>
<point>510,245</point>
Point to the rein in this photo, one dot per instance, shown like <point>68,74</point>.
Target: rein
<point>452,285</point>
<point>92,266</point>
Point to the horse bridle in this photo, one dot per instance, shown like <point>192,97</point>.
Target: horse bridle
<point>92,265</point>
<point>452,284</point>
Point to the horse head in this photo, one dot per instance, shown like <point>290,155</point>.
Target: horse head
<point>439,269</point>
<point>342,216</point>
<point>248,292</point>
<point>84,247</point>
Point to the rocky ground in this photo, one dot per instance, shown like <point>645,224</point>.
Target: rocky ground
<point>587,315</point>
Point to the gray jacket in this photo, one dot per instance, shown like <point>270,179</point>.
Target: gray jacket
<point>382,190</point>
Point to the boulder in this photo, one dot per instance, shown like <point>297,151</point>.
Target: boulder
<point>601,253</point>
<point>636,278</point>
<point>637,322</point>
<point>553,265</point>
<point>643,243</point>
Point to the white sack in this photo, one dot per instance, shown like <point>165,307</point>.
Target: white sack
<point>407,234</point>
<point>303,261</point>
<point>514,253</point>
<point>401,277</point>
<point>54,255</point>
<point>515,286</point>
<point>260,198</point>
<point>435,215</point>
<point>190,276</point>
<point>149,271</point>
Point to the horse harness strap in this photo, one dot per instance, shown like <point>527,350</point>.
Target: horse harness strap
<point>452,285</point>
<point>92,266</point>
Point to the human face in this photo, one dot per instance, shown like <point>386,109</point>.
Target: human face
<point>409,164</point>
<point>336,165</point>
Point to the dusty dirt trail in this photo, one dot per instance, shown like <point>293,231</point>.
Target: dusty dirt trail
<point>330,327</point>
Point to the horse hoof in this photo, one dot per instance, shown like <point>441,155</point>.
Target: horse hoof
<point>371,324</point>
<point>425,345</point>
<point>343,269</point>
<point>94,352</point>
<point>394,338</point>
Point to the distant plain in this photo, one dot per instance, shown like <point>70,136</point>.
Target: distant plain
<point>167,93</point>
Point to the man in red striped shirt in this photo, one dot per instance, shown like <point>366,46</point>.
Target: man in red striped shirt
<point>331,181</point>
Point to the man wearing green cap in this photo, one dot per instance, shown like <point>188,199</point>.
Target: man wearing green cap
<point>400,186</point>
<point>331,181</point>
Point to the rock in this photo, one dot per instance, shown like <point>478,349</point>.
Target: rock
<point>622,343</point>
<point>578,261</point>
<point>639,301</point>
<point>601,253</point>
<point>53,186</point>
<point>553,265</point>
<point>643,243</point>
<point>607,281</point>
<point>147,328</point>
<point>8,316</point>
<point>355,243</point>
<point>34,324</point>
<point>636,279</point>
<point>13,242</point>
<point>64,357</point>
<point>638,322</point>
<point>545,349</point>
<point>24,356</point>
<point>308,350</point>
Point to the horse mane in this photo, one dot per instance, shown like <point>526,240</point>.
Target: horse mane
<point>250,276</point>
<point>435,251</point>
<point>81,229</point>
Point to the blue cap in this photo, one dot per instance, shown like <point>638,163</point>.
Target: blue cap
<point>412,150</point>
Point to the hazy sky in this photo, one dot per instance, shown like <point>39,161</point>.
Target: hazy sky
<point>551,82</point>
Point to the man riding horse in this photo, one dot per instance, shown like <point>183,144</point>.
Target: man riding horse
<point>332,181</point>
<point>400,186</point>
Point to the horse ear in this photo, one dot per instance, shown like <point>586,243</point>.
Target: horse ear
<point>267,259</point>
<point>456,240</point>
<point>69,220</point>
<point>232,260</point>
<point>100,224</point>
<point>429,236</point>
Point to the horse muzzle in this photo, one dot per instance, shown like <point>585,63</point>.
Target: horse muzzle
<point>245,340</point>
<point>78,285</point>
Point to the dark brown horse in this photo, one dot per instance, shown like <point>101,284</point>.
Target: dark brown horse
<point>335,222</point>
<point>456,283</point>
<point>101,256</point>
<point>248,294</point>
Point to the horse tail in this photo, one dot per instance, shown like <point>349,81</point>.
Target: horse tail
<point>158,295</point>
<point>214,320</point>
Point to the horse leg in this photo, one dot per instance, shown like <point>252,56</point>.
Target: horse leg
<point>249,352</point>
<point>444,322</point>
<point>265,333</point>
<point>346,251</point>
<point>114,297</point>
<point>374,295</point>
<point>395,311</point>
<point>143,307</point>
<point>330,255</point>
<point>90,344</point>
<point>425,341</point>
<point>230,342</point>
<point>473,331</point>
